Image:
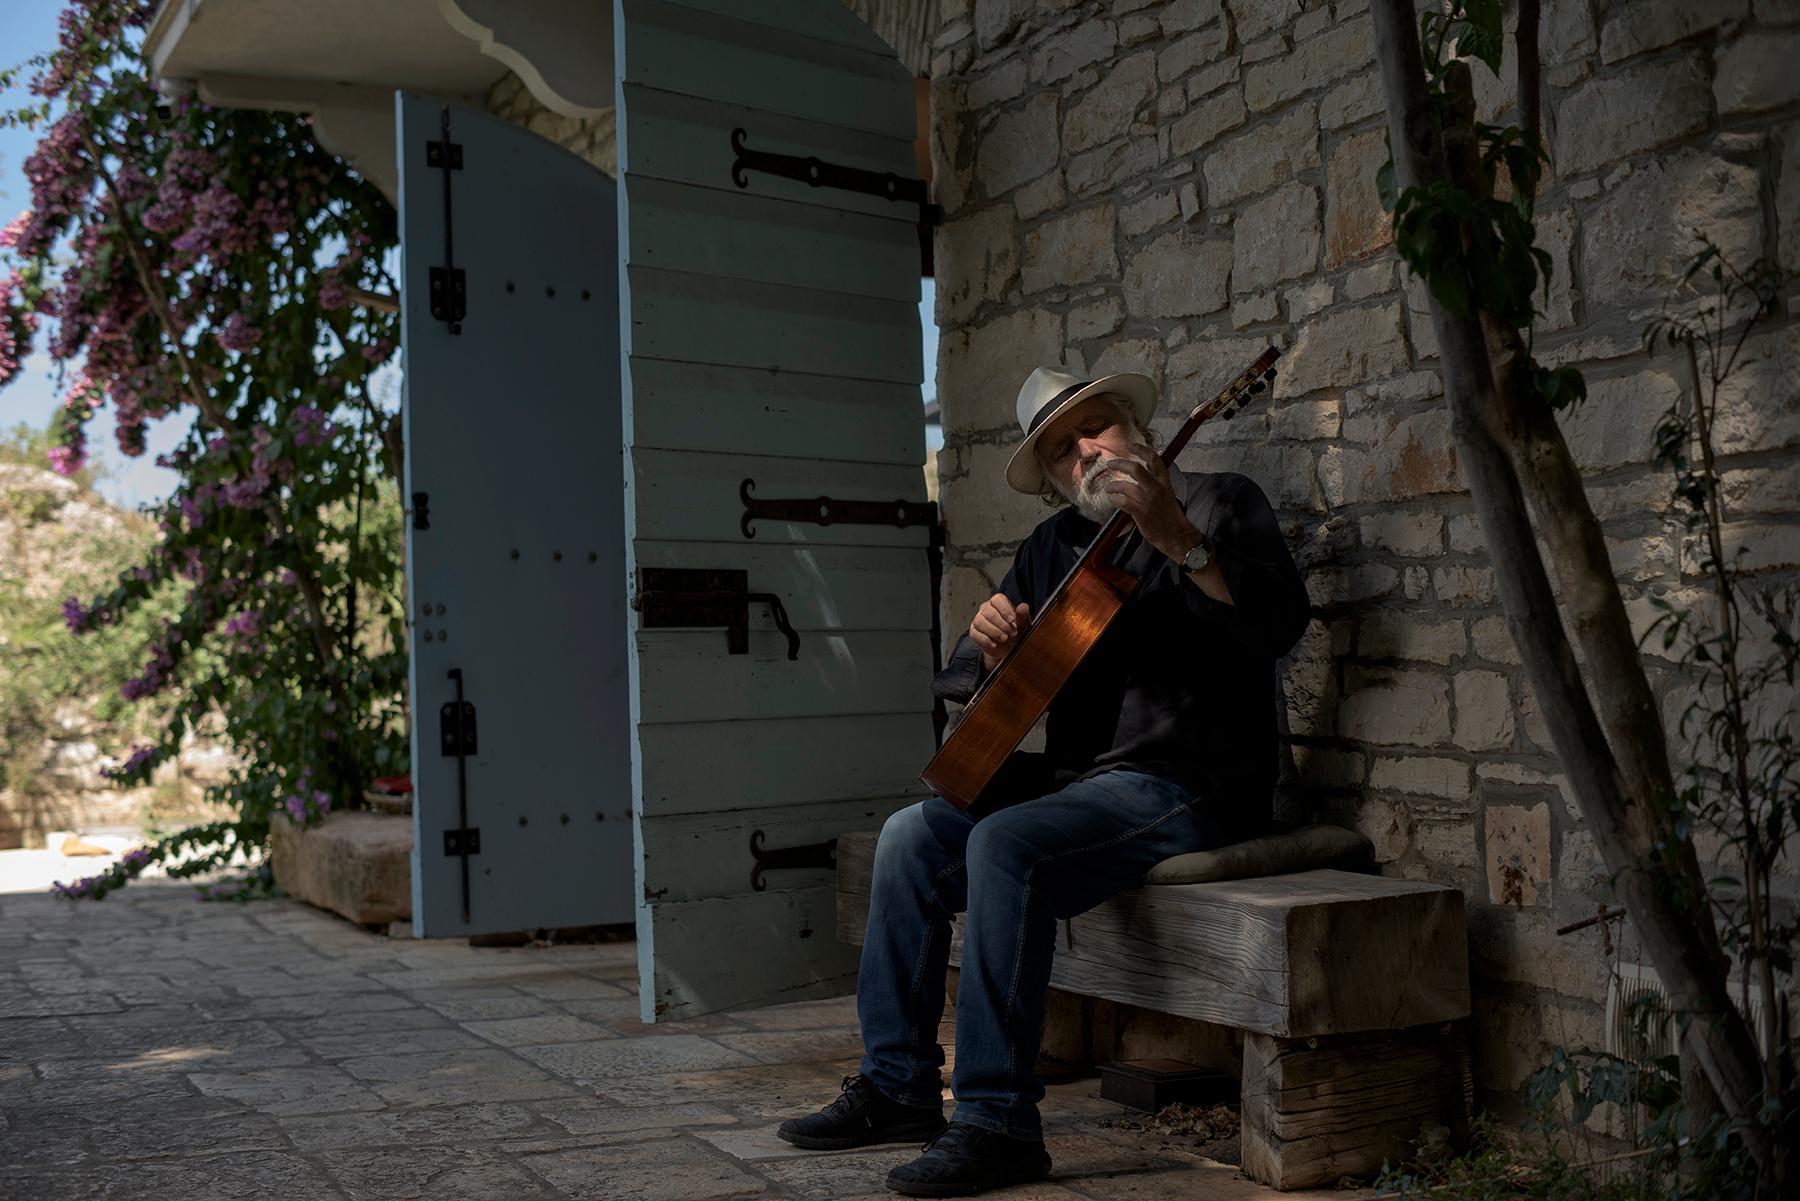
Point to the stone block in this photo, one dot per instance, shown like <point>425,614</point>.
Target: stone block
<point>1410,534</point>
<point>1463,584</point>
<point>977,259</point>
<point>1189,51</point>
<point>1422,775</point>
<point>1275,238</point>
<point>1258,159</point>
<point>1355,223</point>
<point>1142,355</point>
<point>1083,44</point>
<point>357,865</point>
<point>1653,24</point>
<point>1112,165</point>
<point>1484,713</point>
<point>1639,239</point>
<point>1309,678</point>
<point>1620,115</point>
<point>1312,64</point>
<point>980,369</point>
<point>1206,121</point>
<point>1148,212</point>
<point>1616,423</point>
<point>1398,634</point>
<point>1095,320</point>
<point>1518,852</point>
<point>1021,145</point>
<point>1372,280</point>
<point>980,510</point>
<point>1493,641</point>
<point>1465,534</point>
<point>1253,18</point>
<point>1107,110</point>
<point>1182,15</point>
<point>1075,248</point>
<point>1211,79</point>
<point>1249,310</point>
<point>997,20</point>
<point>1395,708</point>
<point>1307,421</point>
<point>1040,196</point>
<point>1178,275</point>
<point>1356,99</point>
<point>998,85</point>
<point>1344,347</point>
<point>1758,73</point>
<point>1759,403</point>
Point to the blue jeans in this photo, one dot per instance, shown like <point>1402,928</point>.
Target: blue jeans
<point>1015,872</point>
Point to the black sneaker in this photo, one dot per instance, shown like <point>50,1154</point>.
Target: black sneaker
<point>862,1116</point>
<point>967,1159</point>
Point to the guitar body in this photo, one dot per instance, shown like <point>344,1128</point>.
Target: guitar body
<point>1026,681</point>
<point>1004,709</point>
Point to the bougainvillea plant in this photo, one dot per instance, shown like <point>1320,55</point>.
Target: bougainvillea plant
<point>216,267</point>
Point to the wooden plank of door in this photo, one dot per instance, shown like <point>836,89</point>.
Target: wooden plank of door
<point>706,319</point>
<point>687,676</point>
<point>701,956</point>
<point>739,410</point>
<point>801,18</point>
<point>701,855</point>
<point>764,69</point>
<point>732,235</point>
<point>681,761</point>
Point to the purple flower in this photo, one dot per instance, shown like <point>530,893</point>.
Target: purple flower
<point>238,333</point>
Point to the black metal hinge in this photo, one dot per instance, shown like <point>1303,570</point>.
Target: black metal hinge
<point>823,510</point>
<point>820,174</point>
<point>462,842</point>
<point>669,597</point>
<point>421,510</point>
<point>449,289</point>
<point>813,855</point>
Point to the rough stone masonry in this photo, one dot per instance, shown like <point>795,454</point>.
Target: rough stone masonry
<point>1169,186</point>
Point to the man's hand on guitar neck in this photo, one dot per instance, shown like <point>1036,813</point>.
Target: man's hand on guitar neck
<point>997,625</point>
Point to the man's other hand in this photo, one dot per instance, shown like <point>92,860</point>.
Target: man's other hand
<point>997,625</point>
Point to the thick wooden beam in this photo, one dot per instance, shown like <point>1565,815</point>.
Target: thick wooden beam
<point>1317,1109</point>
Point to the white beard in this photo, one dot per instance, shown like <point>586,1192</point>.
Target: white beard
<point>1089,498</point>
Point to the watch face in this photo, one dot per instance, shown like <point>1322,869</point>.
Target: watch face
<point>1197,558</point>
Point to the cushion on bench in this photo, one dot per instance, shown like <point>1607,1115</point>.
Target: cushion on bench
<point>1276,854</point>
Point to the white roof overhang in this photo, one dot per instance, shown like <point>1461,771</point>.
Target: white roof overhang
<point>341,60</point>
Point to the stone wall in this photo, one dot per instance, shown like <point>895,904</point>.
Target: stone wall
<point>1167,186</point>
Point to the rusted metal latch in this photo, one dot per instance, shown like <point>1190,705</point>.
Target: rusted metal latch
<point>823,510</point>
<point>669,597</point>
<point>814,855</point>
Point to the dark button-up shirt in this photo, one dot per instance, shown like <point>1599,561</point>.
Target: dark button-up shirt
<point>1180,685</point>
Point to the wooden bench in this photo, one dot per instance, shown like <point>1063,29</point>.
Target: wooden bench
<point>1352,991</point>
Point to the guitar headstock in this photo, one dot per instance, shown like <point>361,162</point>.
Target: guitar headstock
<point>1235,395</point>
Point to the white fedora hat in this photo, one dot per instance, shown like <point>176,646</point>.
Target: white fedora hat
<point>1048,392</point>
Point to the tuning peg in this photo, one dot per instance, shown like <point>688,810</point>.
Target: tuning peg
<point>1269,374</point>
<point>1227,413</point>
<point>1258,386</point>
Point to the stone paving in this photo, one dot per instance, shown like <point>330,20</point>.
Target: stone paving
<point>154,1046</point>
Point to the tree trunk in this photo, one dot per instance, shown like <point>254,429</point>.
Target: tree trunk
<point>1622,783</point>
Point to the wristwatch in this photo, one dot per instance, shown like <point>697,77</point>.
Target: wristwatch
<point>1198,558</point>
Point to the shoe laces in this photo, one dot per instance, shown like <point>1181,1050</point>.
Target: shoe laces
<point>856,1093</point>
<point>955,1138</point>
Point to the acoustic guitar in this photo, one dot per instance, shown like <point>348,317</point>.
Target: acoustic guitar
<point>1079,611</point>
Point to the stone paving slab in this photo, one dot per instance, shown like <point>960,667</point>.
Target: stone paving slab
<point>155,1047</point>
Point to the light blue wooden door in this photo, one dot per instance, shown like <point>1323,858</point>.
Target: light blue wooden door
<point>771,333</point>
<point>515,560</point>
